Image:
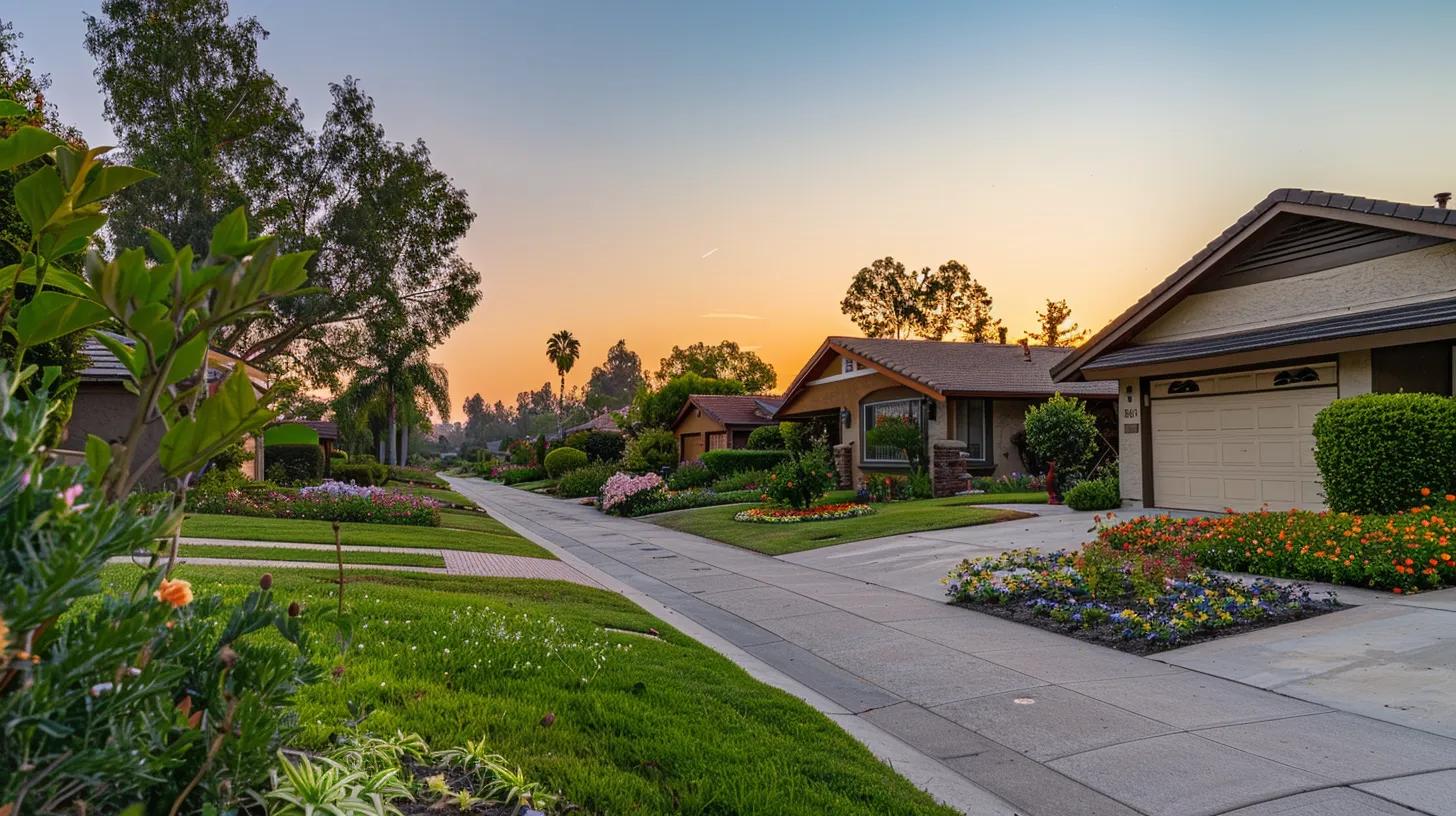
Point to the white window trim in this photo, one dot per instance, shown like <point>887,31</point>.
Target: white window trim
<point>865,427</point>
<point>859,372</point>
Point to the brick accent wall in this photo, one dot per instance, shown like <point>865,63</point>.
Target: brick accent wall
<point>844,465</point>
<point>948,467</point>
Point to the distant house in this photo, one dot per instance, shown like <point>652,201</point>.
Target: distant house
<point>606,422</point>
<point>970,399</point>
<point>713,422</point>
<point>105,408</point>
<point>1222,367</point>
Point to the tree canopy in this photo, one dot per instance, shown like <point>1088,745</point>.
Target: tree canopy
<point>885,299</point>
<point>660,407</point>
<point>616,380</point>
<point>725,361</point>
<point>1052,326</point>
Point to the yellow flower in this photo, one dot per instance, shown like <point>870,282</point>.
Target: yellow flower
<point>178,593</point>
<point>4,636</point>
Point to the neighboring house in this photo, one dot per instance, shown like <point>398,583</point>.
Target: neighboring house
<point>714,422</point>
<point>105,407</point>
<point>605,422</point>
<point>970,399</point>
<point>1222,367</point>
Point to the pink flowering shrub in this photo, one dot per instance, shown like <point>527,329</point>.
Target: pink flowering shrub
<point>330,501</point>
<point>623,491</point>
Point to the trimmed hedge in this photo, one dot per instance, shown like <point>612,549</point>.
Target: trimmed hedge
<point>364,474</point>
<point>689,499</point>
<point>561,461</point>
<point>1095,494</point>
<point>585,481</point>
<point>1376,451</point>
<point>766,437</point>
<point>519,475</point>
<point>689,476</point>
<point>294,464</point>
<point>728,462</point>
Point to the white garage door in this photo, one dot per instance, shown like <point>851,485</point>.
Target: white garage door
<point>1243,451</point>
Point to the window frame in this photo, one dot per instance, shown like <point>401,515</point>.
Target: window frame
<point>916,411</point>
<point>960,434</point>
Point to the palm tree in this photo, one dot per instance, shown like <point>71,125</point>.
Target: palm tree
<point>393,387</point>
<point>562,349</point>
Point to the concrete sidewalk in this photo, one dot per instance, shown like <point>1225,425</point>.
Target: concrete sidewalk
<point>1051,725</point>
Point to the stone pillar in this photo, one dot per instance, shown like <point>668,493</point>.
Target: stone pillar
<point>949,467</point>
<point>844,465</point>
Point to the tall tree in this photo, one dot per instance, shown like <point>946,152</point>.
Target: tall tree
<point>887,300</point>
<point>1052,330</point>
<point>186,95</point>
<point>396,387</point>
<point>476,417</point>
<point>563,350</point>
<point>977,324</point>
<point>613,383</point>
<point>725,361</point>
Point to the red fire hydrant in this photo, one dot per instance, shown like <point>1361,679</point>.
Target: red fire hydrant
<point>1051,483</point>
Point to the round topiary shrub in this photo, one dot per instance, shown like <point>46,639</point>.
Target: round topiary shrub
<point>766,438</point>
<point>1095,494</point>
<point>561,461</point>
<point>1376,451</point>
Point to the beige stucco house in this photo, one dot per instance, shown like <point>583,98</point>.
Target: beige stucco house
<point>718,421</point>
<point>970,398</point>
<point>1222,367</point>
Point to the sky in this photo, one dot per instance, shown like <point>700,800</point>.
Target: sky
<point>672,172</point>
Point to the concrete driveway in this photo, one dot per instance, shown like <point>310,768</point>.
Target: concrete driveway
<point>1009,719</point>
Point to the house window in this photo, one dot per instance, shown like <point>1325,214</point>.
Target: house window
<point>1183,387</point>
<point>973,427</point>
<point>873,412</point>
<point>1296,376</point>
<point>717,440</point>
<point>846,365</point>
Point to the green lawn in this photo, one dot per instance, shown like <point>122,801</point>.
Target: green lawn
<point>888,519</point>
<point>484,535</point>
<point>443,494</point>
<point>539,484</point>
<point>665,726</point>
<point>326,556</point>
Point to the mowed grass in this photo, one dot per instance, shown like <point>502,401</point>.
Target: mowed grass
<point>665,726</point>
<point>443,494</point>
<point>539,484</point>
<point>893,518</point>
<point>403,559</point>
<point>477,532</point>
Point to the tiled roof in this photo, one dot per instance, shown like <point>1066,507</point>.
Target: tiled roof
<point>737,410</point>
<point>1393,210</point>
<point>102,365</point>
<point>324,428</point>
<point>971,369</point>
<point>605,421</point>
<point>1435,313</point>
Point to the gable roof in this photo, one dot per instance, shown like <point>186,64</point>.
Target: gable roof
<point>1377,213</point>
<point>733,409</point>
<point>956,369</point>
<point>605,421</point>
<point>103,366</point>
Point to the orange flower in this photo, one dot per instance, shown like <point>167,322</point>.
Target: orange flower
<point>1425,491</point>
<point>178,593</point>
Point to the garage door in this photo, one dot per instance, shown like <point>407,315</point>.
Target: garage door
<point>1243,451</point>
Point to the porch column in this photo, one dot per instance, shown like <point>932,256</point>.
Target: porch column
<point>844,465</point>
<point>949,467</point>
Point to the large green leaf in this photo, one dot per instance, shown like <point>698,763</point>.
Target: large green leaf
<point>124,353</point>
<point>26,144</point>
<point>38,196</point>
<point>188,359</point>
<point>219,421</point>
<point>55,314</point>
<point>9,107</point>
<point>106,180</point>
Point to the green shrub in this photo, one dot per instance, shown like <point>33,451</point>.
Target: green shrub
<point>364,474</point>
<point>651,450</point>
<point>887,487</point>
<point>921,485</point>
<point>1103,493</point>
<point>664,502</point>
<point>798,437</point>
<point>766,438</point>
<point>561,461</point>
<point>523,453</point>
<point>742,480</point>
<point>689,476</point>
<point>585,481</point>
<point>294,464</point>
<point>802,480</point>
<point>1062,430</point>
<point>417,475</point>
<point>1376,451</point>
<point>519,475</point>
<point>728,462</point>
<point>604,446</point>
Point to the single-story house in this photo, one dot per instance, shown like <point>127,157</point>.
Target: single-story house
<point>1222,367</point>
<point>716,421</point>
<point>105,407</point>
<point>970,399</point>
<point>605,422</point>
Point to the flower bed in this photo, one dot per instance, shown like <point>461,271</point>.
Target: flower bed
<point>624,492</point>
<point>667,501</point>
<point>789,515</point>
<point>330,501</point>
<point>1056,591</point>
<point>1402,552</point>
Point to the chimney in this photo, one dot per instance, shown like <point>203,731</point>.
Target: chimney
<point>1025,349</point>
<point>1001,335</point>
<point>1442,199</point>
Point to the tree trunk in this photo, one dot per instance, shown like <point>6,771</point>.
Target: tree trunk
<point>393,424</point>
<point>560,405</point>
<point>404,445</point>
<point>379,445</point>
